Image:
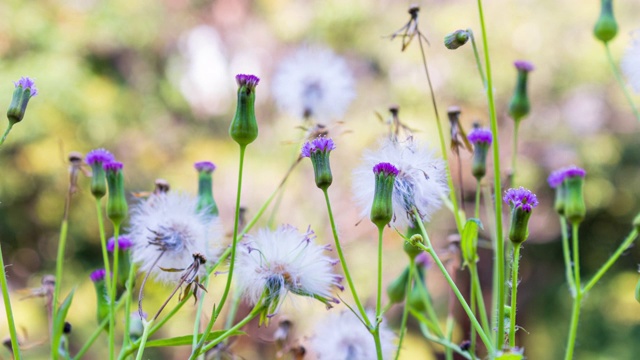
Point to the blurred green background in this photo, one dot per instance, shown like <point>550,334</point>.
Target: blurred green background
<point>153,82</point>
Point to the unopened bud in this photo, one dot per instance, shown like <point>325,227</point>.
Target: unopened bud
<point>522,202</point>
<point>519,106</point>
<point>244,128</point>
<point>102,294</point>
<point>397,289</point>
<point>96,159</point>
<point>117,208</point>
<point>206,201</point>
<point>606,27</point>
<point>24,90</point>
<point>481,140</point>
<point>456,39</point>
<point>318,151</point>
<point>382,208</point>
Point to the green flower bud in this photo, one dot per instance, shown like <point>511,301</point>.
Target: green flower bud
<point>244,128</point>
<point>522,202</point>
<point>606,27</point>
<point>397,289</point>
<point>456,39</point>
<point>318,151</point>
<point>102,294</point>
<point>382,208</point>
<point>124,246</point>
<point>575,208</point>
<point>519,105</point>
<point>96,158</point>
<point>411,250</point>
<point>469,241</point>
<point>205,187</point>
<point>24,90</point>
<point>481,140</point>
<point>117,207</point>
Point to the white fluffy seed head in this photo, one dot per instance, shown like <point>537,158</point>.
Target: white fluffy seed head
<point>421,181</point>
<point>315,83</point>
<point>283,261</point>
<point>631,62</point>
<point>170,223</point>
<point>341,336</point>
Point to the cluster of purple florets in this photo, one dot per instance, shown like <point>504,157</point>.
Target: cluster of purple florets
<point>27,83</point>
<point>557,177</point>
<point>206,166</point>
<point>320,143</point>
<point>124,243</point>
<point>386,168</point>
<point>522,198</point>
<point>523,65</point>
<point>98,275</point>
<point>480,135</point>
<point>249,81</point>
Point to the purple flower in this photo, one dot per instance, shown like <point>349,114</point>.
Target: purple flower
<point>249,81</point>
<point>112,166</point>
<point>26,82</point>
<point>206,166</point>
<point>385,168</point>
<point>521,197</point>
<point>124,243</point>
<point>480,135</point>
<point>320,143</point>
<point>98,275</point>
<point>423,260</point>
<point>523,65</point>
<point>100,156</point>
<point>557,177</point>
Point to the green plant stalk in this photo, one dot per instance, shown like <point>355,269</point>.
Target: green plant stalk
<point>443,146</point>
<point>621,82</point>
<point>232,262</point>
<point>477,205</point>
<point>233,310</point>
<point>376,332</point>
<point>6,133</point>
<point>567,257</point>
<point>343,262</point>
<point>145,336</point>
<point>405,310</point>
<point>444,342</point>
<point>499,248</point>
<point>431,313</point>
<point>15,347</point>
<point>114,289</point>
<point>472,303</point>
<point>477,290</point>
<point>449,329</point>
<point>107,267</point>
<point>514,294</point>
<point>98,331</point>
<point>62,243</point>
<point>606,266</point>
<point>198,317</point>
<point>256,310</point>
<point>575,313</point>
<point>477,57</point>
<point>514,155</point>
<point>429,249</point>
<point>127,305</point>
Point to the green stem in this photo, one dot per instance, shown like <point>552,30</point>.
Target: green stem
<point>567,256</point>
<point>103,324</point>
<point>477,207</point>
<point>477,290</point>
<point>621,249</point>
<point>107,267</point>
<point>127,304</point>
<point>444,342</point>
<point>429,249</point>
<point>6,132</point>
<point>514,155</point>
<point>62,243</point>
<point>499,248</point>
<point>376,332</point>
<point>145,336</point>
<point>343,261</point>
<point>575,314</point>
<point>114,288</point>
<point>443,146</point>
<point>405,310</point>
<point>514,294</point>
<point>473,302</point>
<point>198,317</point>
<point>431,313</point>
<point>15,347</point>
<point>621,82</point>
<point>477,56</point>
<point>256,310</point>
<point>449,329</point>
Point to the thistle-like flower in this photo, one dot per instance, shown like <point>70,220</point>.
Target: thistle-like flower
<point>421,181</point>
<point>630,63</point>
<point>314,83</point>
<point>167,230</point>
<point>318,151</point>
<point>522,202</point>
<point>273,263</point>
<point>25,89</point>
<point>481,140</point>
<point>342,336</point>
<point>569,201</point>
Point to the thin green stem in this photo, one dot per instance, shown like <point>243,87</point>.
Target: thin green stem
<point>477,207</point>
<point>256,310</point>
<point>477,57</point>
<point>577,300</point>
<point>499,248</point>
<point>566,253</point>
<point>145,336</point>
<point>472,303</point>
<point>96,333</point>
<point>343,261</point>
<point>107,267</point>
<point>114,288</point>
<point>376,333</point>
<point>15,347</point>
<point>443,146</point>
<point>616,73</point>
<point>606,266</point>
<point>198,317</point>
<point>444,342</point>
<point>429,249</point>
<point>477,290</point>
<point>449,329</point>
<point>233,310</point>
<point>6,133</point>
<point>405,310</point>
<point>62,243</point>
<point>127,304</point>
<point>514,294</point>
<point>514,153</point>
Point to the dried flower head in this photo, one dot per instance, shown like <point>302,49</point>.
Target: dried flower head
<point>166,230</point>
<point>342,336</point>
<point>314,83</point>
<point>630,63</point>
<point>421,180</point>
<point>273,263</point>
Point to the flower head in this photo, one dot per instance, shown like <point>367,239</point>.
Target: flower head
<point>630,63</point>
<point>421,180</point>
<point>98,275</point>
<point>557,177</point>
<point>341,335</point>
<point>99,156</point>
<point>124,243</point>
<point>274,263</point>
<point>112,166</point>
<point>167,227</point>
<point>321,143</point>
<point>385,168</point>
<point>250,81</point>
<point>523,65</point>
<point>480,135</point>
<point>314,83</point>
<point>521,197</point>
<point>206,166</point>
<point>25,89</point>
<point>26,82</point>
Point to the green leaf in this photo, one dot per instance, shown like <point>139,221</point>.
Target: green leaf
<point>188,339</point>
<point>469,241</point>
<point>61,316</point>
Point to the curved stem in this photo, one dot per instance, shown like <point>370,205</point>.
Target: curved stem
<point>127,304</point>
<point>614,68</point>
<point>449,329</point>
<point>343,261</point>
<point>15,347</point>
<point>145,336</point>
<point>566,253</point>
<point>405,310</point>
<point>499,248</point>
<point>444,342</point>
<point>575,314</point>
<point>6,133</point>
<point>605,267</point>
<point>514,293</point>
<point>477,57</point>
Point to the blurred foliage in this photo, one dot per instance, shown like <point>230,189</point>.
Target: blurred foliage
<point>152,81</point>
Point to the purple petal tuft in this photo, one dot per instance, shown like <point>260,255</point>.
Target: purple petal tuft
<point>124,243</point>
<point>99,156</point>
<point>207,166</point>
<point>559,176</point>
<point>98,275</point>
<point>249,81</point>
<point>480,135</point>
<point>113,166</point>
<point>521,197</point>
<point>386,168</point>
<point>26,82</point>
<point>320,143</point>
<point>523,65</point>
